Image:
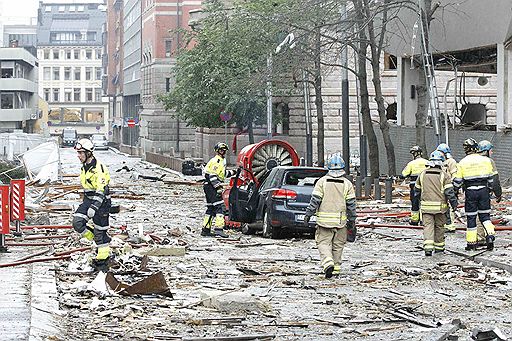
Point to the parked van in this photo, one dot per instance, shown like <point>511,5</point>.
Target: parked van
<point>69,137</point>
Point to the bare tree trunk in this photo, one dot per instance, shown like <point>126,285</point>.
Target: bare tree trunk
<point>319,101</point>
<point>373,150</point>
<point>376,47</point>
<point>250,131</point>
<point>421,113</point>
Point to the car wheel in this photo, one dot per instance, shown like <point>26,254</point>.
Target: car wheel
<point>246,229</point>
<point>268,230</point>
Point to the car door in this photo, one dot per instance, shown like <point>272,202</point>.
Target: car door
<point>243,200</point>
<point>270,183</point>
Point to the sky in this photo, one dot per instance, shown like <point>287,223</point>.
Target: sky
<point>18,8</point>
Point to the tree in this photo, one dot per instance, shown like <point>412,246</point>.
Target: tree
<point>224,71</point>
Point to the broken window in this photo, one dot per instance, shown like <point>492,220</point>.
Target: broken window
<point>94,115</point>
<point>7,101</point>
<point>7,69</point>
<point>72,115</point>
<point>390,62</point>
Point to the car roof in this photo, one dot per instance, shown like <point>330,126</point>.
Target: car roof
<point>299,168</point>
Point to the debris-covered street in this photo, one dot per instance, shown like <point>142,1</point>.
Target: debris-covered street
<point>243,287</point>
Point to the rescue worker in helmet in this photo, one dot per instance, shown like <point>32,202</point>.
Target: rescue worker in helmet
<point>94,178</point>
<point>485,148</point>
<point>215,174</point>
<point>411,171</point>
<point>476,175</point>
<point>334,203</point>
<point>450,166</point>
<point>435,190</point>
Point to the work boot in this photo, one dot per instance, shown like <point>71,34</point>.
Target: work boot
<point>481,243</point>
<point>470,247</point>
<point>220,233</point>
<point>205,232</point>
<point>428,253</point>
<point>440,251</point>
<point>336,271</point>
<point>490,243</point>
<point>414,222</point>
<point>328,271</point>
<point>100,264</point>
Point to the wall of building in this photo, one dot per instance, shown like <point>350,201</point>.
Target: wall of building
<point>70,58</point>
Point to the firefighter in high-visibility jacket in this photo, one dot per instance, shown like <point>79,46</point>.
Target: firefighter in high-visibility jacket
<point>334,203</point>
<point>215,174</point>
<point>411,171</point>
<point>435,189</point>
<point>95,179</point>
<point>485,148</point>
<point>450,166</point>
<point>475,174</point>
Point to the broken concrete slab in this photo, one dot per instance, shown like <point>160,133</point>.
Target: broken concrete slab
<point>233,302</point>
<point>164,250</point>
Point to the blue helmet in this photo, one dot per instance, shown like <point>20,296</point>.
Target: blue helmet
<point>335,162</point>
<point>485,146</point>
<point>443,147</point>
<point>437,158</point>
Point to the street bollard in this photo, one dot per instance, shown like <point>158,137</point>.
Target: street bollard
<point>367,186</point>
<point>359,185</point>
<point>376,189</point>
<point>389,190</point>
<point>4,216</point>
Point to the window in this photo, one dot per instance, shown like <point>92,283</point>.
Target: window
<point>46,94</point>
<point>68,54</point>
<point>48,8</point>
<point>167,84</point>
<point>98,73</point>
<point>88,94</point>
<point>55,95</point>
<point>67,95</point>
<point>76,54</point>
<point>72,115</point>
<point>98,54</point>
<point>88,73</point>
<point>47,73</point>
<point>94,115</point>
<point>56,73</point>
<point>54,115</point>
<point>46,54</point>
<point>71,8</point>
<point>76,95</point>
<point>80,8</point>
<point>55,54</point>
<point>390,62</point>
<point>7,101</point>
<point>78,71</point>
<point>62,8</point>
<point>168,46</point>
<point>97,94</point>
<point>67,73</point>
<point>88,54</point>
<point>91,36</point>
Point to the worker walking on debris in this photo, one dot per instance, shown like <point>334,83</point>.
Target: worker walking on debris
<point>435,190</point>
<point>215,173</point>
<point>485,148</point>
<point>450,166</point>
<point>95,178</point>
<point>411,171</point>
<point>334,203</point>
<point>475,173</point>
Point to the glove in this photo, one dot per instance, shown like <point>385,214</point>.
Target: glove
<point>306,220</point>
<point>219,190</point>
<point>498,198</point>
<point>351,231</point>
<point>91,212</point>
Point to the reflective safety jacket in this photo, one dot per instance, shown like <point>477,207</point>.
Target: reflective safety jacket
<point>215,171</point>
<point>95,178</point>
<point>496,185</point>
<point>435,189</point>
<point>414,168</point>
<point>450,166</point>
<point>475,171</point>
<point>334,202</point>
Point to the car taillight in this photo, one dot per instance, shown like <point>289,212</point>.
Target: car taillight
<point>284,194</point>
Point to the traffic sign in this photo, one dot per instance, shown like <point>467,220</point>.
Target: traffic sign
<point>131,123</point>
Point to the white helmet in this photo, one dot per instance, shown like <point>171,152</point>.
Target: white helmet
<point>84,145</point>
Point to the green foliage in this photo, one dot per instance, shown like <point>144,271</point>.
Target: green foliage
<point>226,70</point>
